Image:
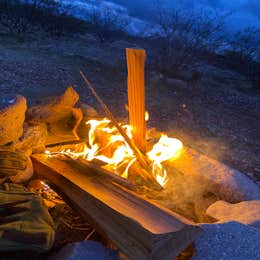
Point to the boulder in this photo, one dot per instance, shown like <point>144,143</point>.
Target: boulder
<point>59,115</point>
<point>225,182</point>
<point>12,115</point>
<point>34,138</point>
<point>231,240</point>
<point>88,111</point>
<point>54,109</point>
<point>246,212</point>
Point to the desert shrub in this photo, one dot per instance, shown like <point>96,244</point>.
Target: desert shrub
<point>107,23</point>
<point>184,39</point>
<point>242,54</point>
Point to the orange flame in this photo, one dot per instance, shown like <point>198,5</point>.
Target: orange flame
<point>107,144</point>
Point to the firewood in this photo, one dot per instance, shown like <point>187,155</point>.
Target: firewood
<point>138,227</point>
<point>139,156</point>
<point>136,96</point>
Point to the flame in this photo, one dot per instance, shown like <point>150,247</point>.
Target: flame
<point>166,149</point>
<point>106,144</point>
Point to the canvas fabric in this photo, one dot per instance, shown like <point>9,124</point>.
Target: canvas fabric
<point>25,223</point>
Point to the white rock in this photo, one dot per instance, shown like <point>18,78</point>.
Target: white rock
<point>225,182</point>
<point>55,108</point>
<point>246,212</point>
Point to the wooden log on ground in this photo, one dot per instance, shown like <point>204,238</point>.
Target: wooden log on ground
<point>140,229</point>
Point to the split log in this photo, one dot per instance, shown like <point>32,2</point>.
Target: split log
<point>136,96</point>
<point>147,171</point>
<point>140,229</point>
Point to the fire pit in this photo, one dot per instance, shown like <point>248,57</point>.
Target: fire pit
<point>143,190</point>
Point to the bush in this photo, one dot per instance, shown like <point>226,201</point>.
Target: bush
<point>184,39</point>
<point>107,23</point>
<point>243,55</point>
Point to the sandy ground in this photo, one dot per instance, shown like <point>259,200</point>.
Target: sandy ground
<point>217,116</point>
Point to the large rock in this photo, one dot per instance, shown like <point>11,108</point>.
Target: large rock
<point>12,115</point>
<point>246,212</point>
<point>54,109</point>
<point>230,241</point>
<point>59,115</point>
<point>225,182</point>
<point>85,250</point>
<point>34,138</point>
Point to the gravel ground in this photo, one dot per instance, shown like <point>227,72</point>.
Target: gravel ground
<point>216,116</point>
<point>230,240</point>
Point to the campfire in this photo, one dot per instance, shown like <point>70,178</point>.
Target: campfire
<point>110,142</point>
<point>108,147</point>
<point>141,189</point>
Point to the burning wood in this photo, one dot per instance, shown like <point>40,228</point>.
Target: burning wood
<point>138,155</point>
<point>141,229</point>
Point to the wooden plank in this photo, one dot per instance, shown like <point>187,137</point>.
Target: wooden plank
<point>146,173</point>
<point>140,228</point>
<point>136,96</point>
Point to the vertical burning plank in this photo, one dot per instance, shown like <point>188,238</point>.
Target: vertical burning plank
<point>136,96</point>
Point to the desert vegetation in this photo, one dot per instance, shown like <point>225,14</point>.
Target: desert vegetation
<point>187,39</point>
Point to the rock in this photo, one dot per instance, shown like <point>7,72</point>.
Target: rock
<point>12,115</point>
<point>33,139</point>
<point>59,115</point>
<point>232,241</point>
<point>246,212</point>
<point>225,182</point>
<point>177,83</point>
<point>88,111</point>
<point>85,250</point>
<point>54,109</point>
<point>15,166</point>
<point>200,206</point>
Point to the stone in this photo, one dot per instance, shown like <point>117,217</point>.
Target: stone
<point>15,166</point>
<point>12,115</point>
<point>85,250</point>
<point>88,111</point>
<point>54,109</point>
<point>246,212</point>
<point>59,115</point>
<point>231,240</point>
<point>225,182</point>
<point>34,138</point>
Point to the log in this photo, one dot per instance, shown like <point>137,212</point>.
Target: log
<point>139,228</point>
<point>136,96</point>
<point>147,170</point>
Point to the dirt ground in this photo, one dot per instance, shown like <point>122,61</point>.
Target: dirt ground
<point>217,116</point>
